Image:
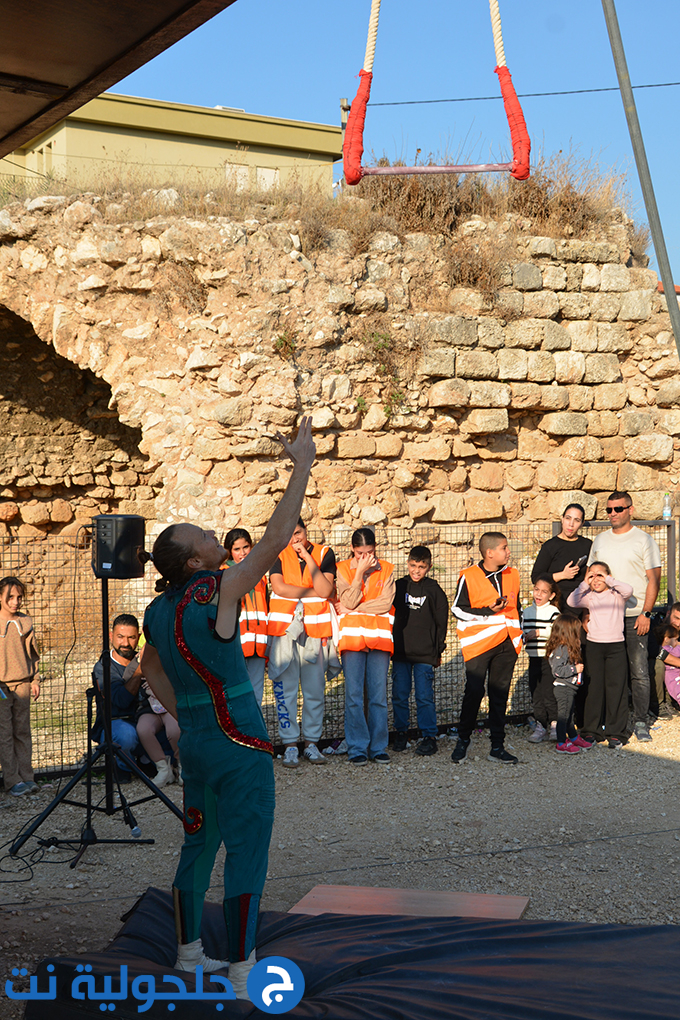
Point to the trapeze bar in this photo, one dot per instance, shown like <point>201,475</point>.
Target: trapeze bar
<point>467,168</point>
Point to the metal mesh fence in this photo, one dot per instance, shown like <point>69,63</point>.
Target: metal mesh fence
<point>64,601</point>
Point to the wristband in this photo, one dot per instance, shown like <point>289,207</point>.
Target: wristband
<point>663,655</point>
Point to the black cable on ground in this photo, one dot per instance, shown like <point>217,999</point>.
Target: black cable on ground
<point>452,858</point>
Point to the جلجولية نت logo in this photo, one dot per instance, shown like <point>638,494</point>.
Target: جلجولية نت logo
<point>275,985</point>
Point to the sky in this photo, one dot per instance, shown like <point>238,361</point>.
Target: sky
<point>296,59</point>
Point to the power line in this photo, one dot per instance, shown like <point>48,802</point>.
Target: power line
<point>525,95</point>
<point>6,159</point>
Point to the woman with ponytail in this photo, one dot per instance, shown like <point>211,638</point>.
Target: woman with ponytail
<point>194,664</point>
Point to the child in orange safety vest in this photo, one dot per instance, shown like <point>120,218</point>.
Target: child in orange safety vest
<point>486,606</point>
<point>300,630</point>
<point>254,612</point>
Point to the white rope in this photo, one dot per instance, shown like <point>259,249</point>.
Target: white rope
<point>372,35</point>
<point>497,33</point>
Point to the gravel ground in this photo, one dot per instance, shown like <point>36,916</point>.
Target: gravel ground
<point>594,837</point>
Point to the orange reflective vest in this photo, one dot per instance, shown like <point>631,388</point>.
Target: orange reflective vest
<point>253,619</point>
<point>359,631</point>
<point>478,634</point>
<point>317,613</point>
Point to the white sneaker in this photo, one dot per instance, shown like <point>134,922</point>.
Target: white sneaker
<point>290,758</point>
<point>538,734</point>
<point>313,754</point>
<point>164,773</point>
<point>190,955</point>
<point>238,975</point>
<point>553,731</point>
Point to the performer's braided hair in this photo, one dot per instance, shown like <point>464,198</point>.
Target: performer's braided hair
<point>170,560</point>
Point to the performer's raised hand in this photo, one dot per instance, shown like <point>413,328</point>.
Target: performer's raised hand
<point>302,450</point>
<point>240,578</point>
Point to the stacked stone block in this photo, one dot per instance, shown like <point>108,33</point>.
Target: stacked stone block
<point>429,402</point>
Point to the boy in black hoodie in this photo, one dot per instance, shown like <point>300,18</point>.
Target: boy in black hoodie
<point>421,617</point>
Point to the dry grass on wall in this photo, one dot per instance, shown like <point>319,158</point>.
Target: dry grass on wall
<point>565,197</point>
<point>479,262</point>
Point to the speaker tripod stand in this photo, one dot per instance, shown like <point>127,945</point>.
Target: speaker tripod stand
<point>108,751</point>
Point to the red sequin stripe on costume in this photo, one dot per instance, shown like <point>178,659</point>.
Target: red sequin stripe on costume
<point>244,916</point>
<point>192,820</point>
<point>202,591</point>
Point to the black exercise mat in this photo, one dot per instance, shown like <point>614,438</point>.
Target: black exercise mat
<point>406,968</point>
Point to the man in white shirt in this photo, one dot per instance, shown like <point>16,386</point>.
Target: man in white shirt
<point>634,557</point>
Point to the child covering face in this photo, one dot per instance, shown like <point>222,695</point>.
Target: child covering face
<point>606,658</point>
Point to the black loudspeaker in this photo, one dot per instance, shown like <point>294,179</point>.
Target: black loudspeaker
<point>117,540</point>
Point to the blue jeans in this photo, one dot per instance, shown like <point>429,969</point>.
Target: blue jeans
<point>125,734</point>
<point>366,670</point>
<point>423,677</point>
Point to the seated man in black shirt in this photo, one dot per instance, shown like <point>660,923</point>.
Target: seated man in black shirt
<point>124,638</point>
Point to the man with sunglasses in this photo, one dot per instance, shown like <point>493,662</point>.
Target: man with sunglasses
<point>634,558</point>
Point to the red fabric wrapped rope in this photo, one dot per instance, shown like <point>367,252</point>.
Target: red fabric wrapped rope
<point>521,144</point>
<point>353,145</point>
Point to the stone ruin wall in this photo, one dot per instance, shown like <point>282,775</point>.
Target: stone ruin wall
<point>146,366</point>
<point>63,452</point>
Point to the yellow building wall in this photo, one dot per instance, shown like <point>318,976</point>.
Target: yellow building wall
<point>120,139</point>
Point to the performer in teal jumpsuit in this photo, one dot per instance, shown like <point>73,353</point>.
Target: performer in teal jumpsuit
<point>194,664</point>
<point>223,729</point>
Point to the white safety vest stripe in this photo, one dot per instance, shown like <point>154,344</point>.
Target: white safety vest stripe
<point>365,632</point>
<point>489,620</point>
<point>480,636</point>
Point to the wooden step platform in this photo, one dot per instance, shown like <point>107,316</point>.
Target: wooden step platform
<point>358,899</point>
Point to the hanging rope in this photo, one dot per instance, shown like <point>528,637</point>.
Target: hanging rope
<point>353,144</point>
<point>497,33</point>
<point>372,36</point>
<point>521,143</point>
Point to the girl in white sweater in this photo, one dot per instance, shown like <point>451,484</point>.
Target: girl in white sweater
<point>536,625</point>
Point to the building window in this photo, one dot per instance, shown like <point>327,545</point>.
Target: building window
<point>237,176</point>
<point>267,178</point>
